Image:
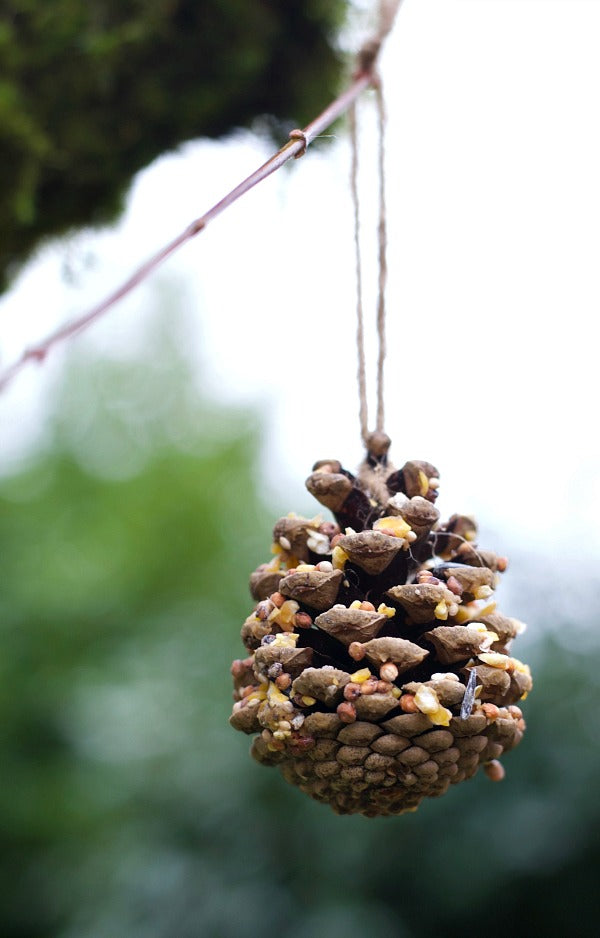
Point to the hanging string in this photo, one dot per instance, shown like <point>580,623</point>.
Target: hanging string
<point>382,267</point>
<point>382,244</point>
<point>360,334</point>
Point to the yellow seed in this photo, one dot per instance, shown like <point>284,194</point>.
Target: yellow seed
<point>441,717</point>
<point>384,610</point>
<point>427,700</point>
<point>428,703</point>
<point>441,610</point>
<point>396,692</point>
<point>339,558</point>
<point>483,592</point>
<point>355,604</point>
<point>423,483</point>
<point>308,701</point>
<point>287,612</point>
<point>276,549</point>
<point>487,609</point>
<point>274,564</point>
<point>285,640</point>
<point>396,526</point>
<point>258,695</point>
<point>275,696</point>
<point>304,567</point>
<point>359,677</point>
<point>487,634</point>
<point>462,615</point>
<point>495,660</point>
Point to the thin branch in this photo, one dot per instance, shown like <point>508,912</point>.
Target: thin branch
<point>294,148</point>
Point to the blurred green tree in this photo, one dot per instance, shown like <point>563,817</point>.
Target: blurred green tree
<point>128,806</point>
<point>90,92</point>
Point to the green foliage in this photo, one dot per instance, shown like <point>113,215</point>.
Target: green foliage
<point>91,92</point>
<point>128,806</point>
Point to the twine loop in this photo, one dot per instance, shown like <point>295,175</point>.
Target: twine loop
<point>382,267</point>
<point>298,134</point>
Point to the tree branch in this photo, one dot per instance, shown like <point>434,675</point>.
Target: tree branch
<point>294,148</point>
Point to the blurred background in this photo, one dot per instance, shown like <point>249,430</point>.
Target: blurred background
<point>143,466</point>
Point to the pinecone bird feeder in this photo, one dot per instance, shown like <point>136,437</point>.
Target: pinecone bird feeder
<point>378,672</point>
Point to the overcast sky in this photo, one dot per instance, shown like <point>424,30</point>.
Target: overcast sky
<point>494,225</point>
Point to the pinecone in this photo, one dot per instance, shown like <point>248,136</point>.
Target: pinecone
<point>378,669</point>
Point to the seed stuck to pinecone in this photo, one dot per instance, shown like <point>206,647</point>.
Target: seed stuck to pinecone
<point>379,672</point>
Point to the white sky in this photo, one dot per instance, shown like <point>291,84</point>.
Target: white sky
<point>494,237</point>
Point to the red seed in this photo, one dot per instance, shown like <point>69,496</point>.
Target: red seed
<point>369,686</point>
<point>355,650</point>
<point>263,609</point>
<point>383,687</point>
<point>351,691</point>
<point>300,744</point>
<point>494,770</point>
<point>407,703</point>
<point>491,711</point>
<point>346,712</point>
<point>454,586</point>
<point>388,671</point>
<point>303,620</point>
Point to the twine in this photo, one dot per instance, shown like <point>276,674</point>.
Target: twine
<point>367,57</point>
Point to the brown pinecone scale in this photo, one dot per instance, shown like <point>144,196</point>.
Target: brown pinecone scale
<point>378,671</point>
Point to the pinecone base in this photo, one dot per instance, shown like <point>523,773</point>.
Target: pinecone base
<point>387,769</point>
